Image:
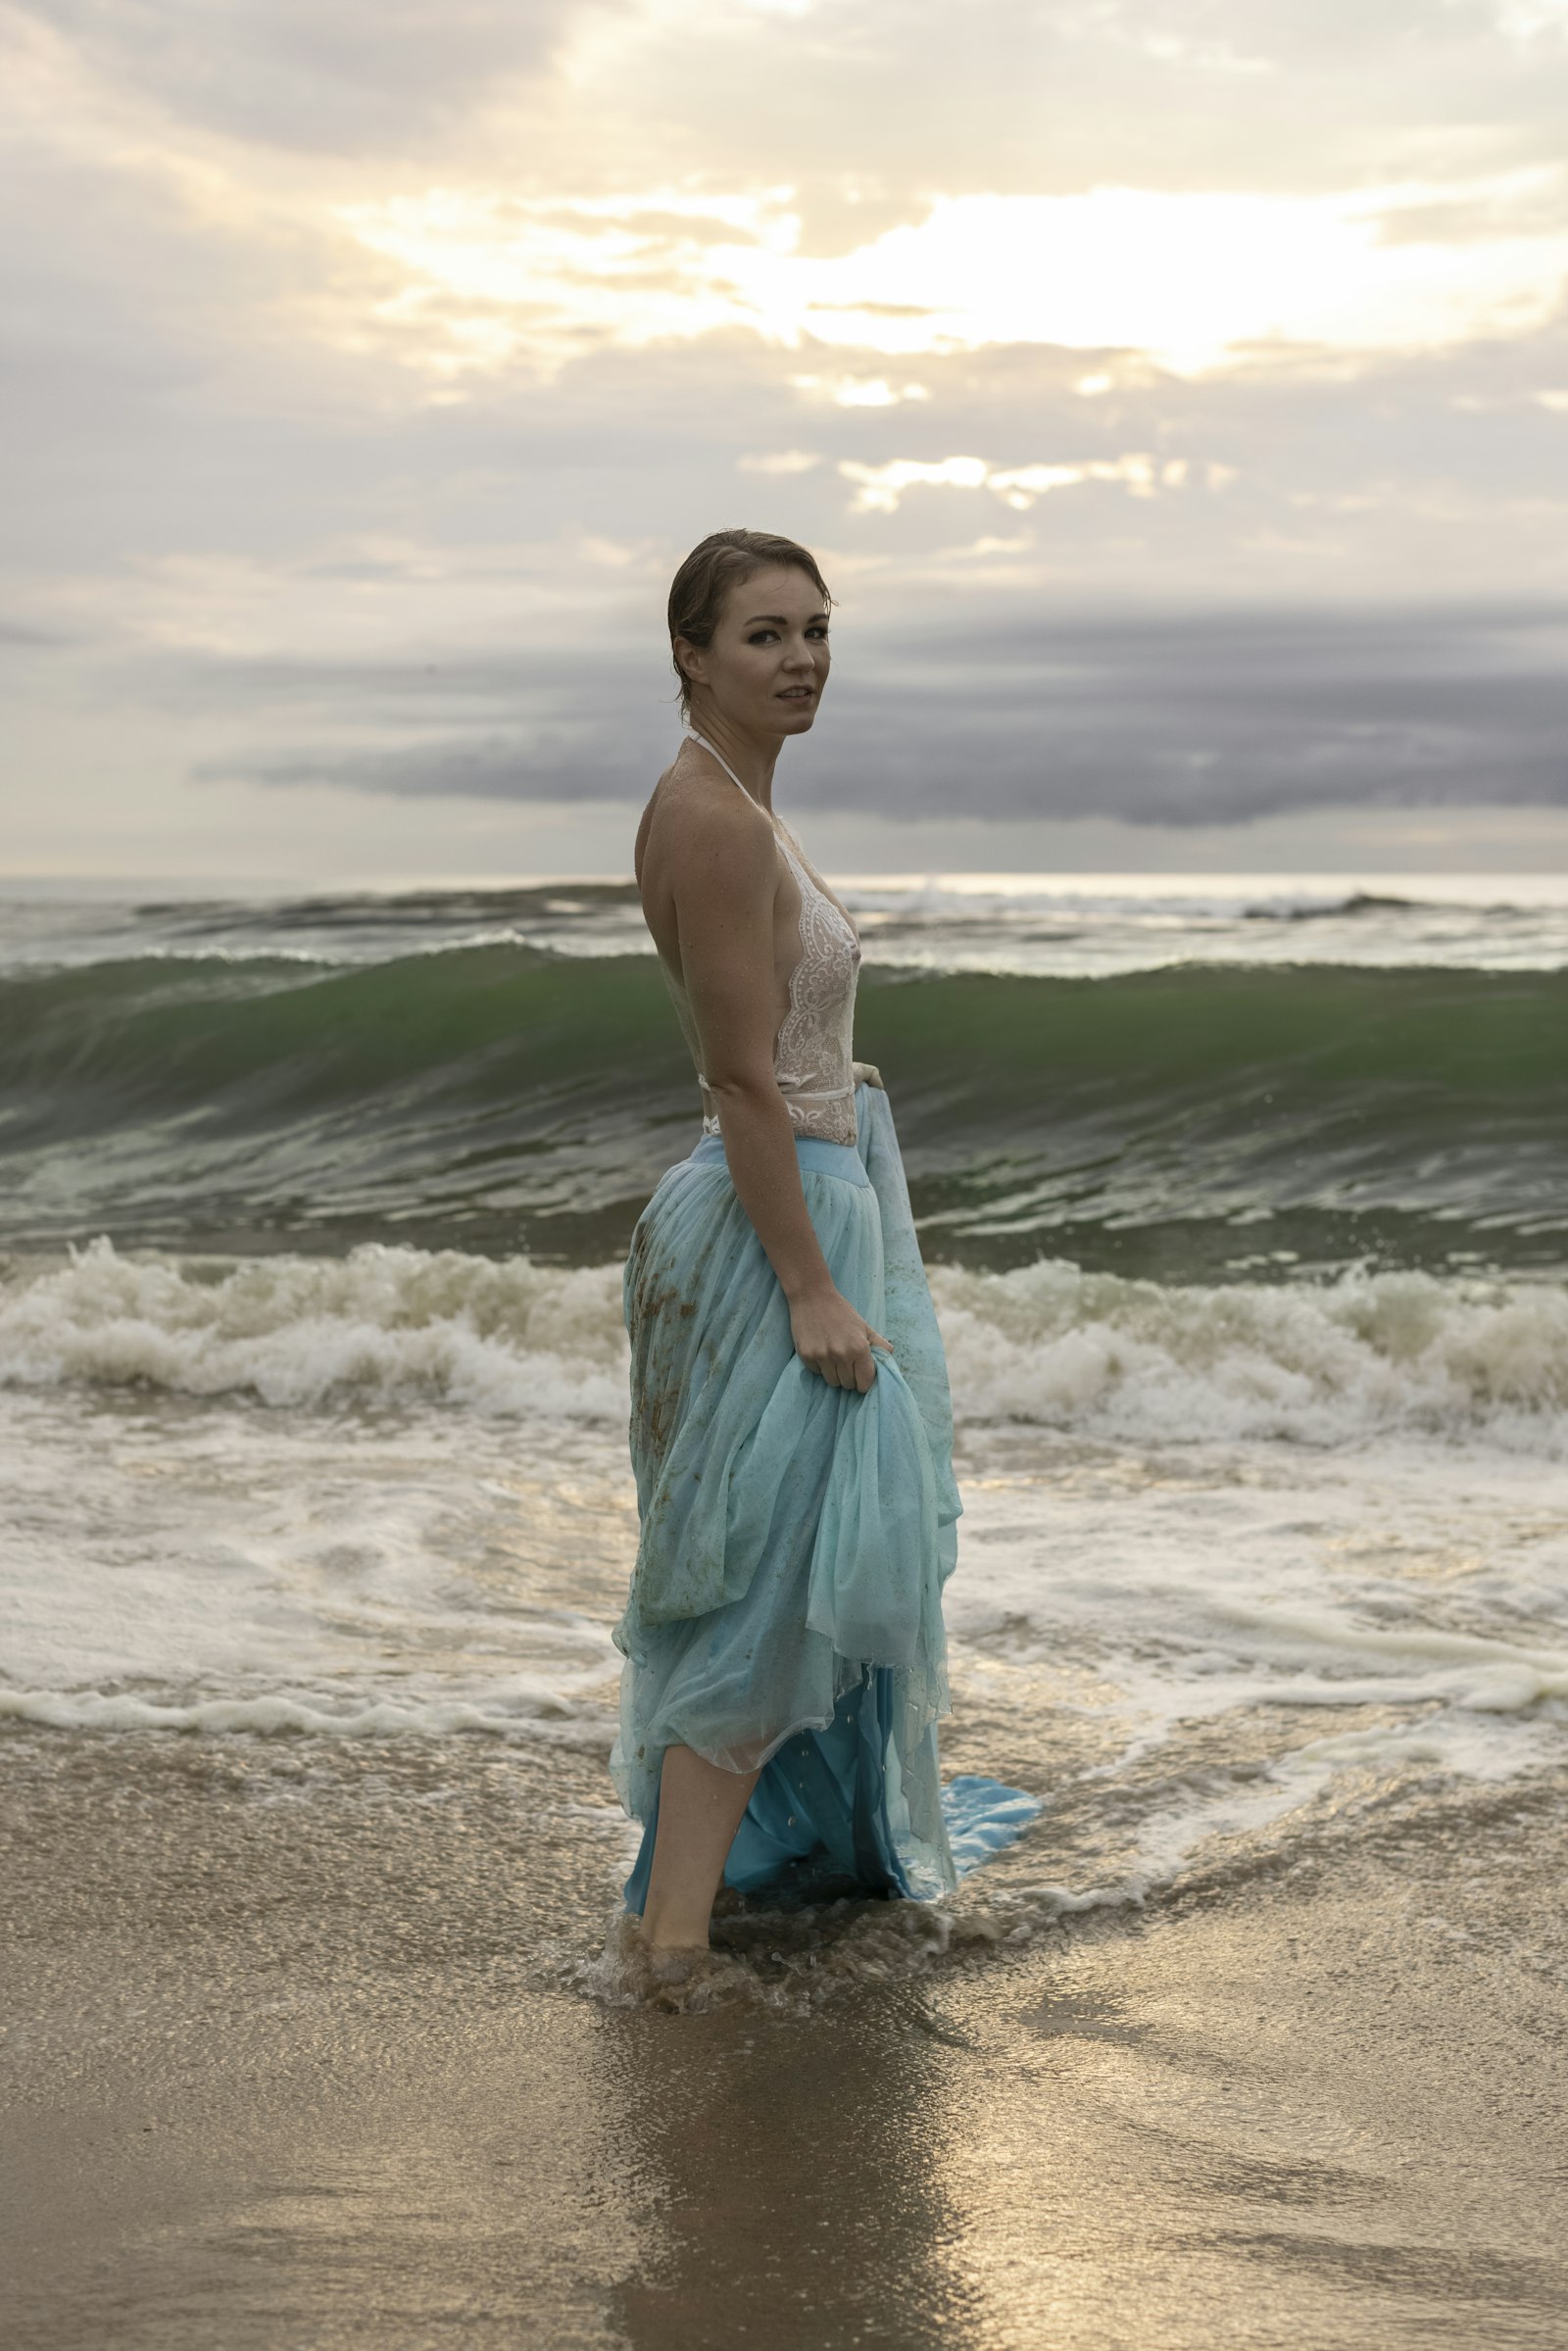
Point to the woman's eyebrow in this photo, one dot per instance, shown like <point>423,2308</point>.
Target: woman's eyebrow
<point>778,619</point>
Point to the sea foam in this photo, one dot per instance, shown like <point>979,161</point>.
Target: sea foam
<point>1318,1362</point>
<point>506,1337</point>
<point>1315,1362</point>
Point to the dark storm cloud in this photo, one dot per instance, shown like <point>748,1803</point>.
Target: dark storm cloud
<point>546,766</point>
<point>555,723</point>
<point>297,74</point>
<point>23,632</point>
<point>1221,718</point>
<point>1160,719</point>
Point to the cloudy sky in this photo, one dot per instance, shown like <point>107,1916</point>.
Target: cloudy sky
<point>1176,398</point>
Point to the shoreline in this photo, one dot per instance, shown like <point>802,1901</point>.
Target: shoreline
<point>293,2058</point>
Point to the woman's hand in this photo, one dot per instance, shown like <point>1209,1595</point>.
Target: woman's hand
<point>834,1340</point>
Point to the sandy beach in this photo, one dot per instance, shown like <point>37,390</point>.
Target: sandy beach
<point>296,2057</point>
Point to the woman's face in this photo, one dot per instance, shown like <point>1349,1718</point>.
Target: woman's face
<point>767,664</point>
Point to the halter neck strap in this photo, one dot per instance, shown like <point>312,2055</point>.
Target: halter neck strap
<point>724,763</point>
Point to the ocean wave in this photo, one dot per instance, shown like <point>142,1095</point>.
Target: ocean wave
<point>1238,904</point>
<point>1051,1344</point>
<point>547,1721</point>
<point>508,1337</point>
<point>232,1036</point>
<point>513,1098</point>
<point>1317,1362</point>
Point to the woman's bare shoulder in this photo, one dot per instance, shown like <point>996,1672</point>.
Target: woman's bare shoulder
<point>700,836</point>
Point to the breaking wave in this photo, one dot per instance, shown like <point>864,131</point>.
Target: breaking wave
<point>1050,1344</point>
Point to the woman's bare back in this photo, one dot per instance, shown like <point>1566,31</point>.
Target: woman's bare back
<point>681,793</point>
<point>700,858</point>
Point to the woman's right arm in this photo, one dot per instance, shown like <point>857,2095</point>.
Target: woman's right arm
<point>724,912</point>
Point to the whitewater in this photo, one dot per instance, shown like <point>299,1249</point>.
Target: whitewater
<point>1251,1265</point>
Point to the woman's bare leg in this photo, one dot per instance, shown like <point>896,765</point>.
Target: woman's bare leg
<point>700,1809</point>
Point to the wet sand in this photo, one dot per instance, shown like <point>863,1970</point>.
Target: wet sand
<point>294,2057</point>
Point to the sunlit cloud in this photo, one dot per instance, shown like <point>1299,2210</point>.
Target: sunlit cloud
<point>882,487</point>
<point>1527,21</point>
<point>780,461</point>
<point>1201,281</point>
<point>860,391</point>
<point>492,277</point>
<point>988,544</point>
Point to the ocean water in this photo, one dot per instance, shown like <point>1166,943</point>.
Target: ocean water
<point>1245,1206</point>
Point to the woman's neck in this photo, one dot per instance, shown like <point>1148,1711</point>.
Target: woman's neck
<point>753,762</point>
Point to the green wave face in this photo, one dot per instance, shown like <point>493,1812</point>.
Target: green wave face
<point>1193,1122</point>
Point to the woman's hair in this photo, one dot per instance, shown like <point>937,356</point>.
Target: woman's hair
<point>723,560</point>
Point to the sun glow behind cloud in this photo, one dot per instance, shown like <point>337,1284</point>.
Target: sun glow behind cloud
<point>1198,281</point>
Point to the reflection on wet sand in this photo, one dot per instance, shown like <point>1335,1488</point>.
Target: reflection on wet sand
<point>796,2166</point>
<point>1324,2116</point>
<point>1289,2128</point>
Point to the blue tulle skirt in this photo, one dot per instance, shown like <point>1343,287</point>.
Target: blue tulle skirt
<point>786,1607</point>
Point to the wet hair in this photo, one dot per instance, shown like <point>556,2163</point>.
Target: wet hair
<point>720,563</point>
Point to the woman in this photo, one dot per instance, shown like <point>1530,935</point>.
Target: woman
<point>790,1432</point>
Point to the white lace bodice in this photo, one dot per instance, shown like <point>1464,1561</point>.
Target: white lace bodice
<point>813,1053</point>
